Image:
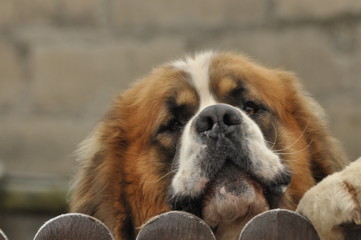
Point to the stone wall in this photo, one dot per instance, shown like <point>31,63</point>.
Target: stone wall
<point>62,62</point>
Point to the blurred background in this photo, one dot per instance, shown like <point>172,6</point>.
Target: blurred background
<point>62,62</point>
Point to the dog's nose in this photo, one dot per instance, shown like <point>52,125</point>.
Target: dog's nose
<point>220,116</point>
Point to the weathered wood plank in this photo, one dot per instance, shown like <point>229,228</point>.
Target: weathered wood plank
<point>271,225</point>
<point>175,225</point>
<point>2,235</point>
<point>279,225</point>
<point>73,226</point>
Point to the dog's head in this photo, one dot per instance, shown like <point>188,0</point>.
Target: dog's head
<point>215,135</point>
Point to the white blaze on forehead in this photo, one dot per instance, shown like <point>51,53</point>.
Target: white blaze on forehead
<point>188,175</point>
<point>198,69</point>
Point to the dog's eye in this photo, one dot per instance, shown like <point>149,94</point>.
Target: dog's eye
<point>250,108</point>
<point>174,125</point>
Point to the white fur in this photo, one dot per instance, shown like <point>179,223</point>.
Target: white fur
<point>266,164</point>
<point>330,203</point>
<point>188,175</point>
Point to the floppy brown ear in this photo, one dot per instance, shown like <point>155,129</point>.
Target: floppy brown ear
<point>326,154</point>
<point>97,189</point>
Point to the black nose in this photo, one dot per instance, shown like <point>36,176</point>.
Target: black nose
<point>220,116</point>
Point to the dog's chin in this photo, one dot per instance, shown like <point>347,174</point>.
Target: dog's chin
<point>233,197</point>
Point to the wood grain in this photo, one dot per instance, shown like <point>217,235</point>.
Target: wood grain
<point>175,225</point>
<point>275,224</point>
<point>73,226</point>
<point>279,225</point>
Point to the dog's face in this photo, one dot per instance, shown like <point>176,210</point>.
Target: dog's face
<point>215,135</point>
<point>221,132</point>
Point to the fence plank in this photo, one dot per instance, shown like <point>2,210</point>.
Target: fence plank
<point>73,226</point>
<point>279,225</point>
<point>271,225</point>
<point>2,235</point>
<point>176,225</point>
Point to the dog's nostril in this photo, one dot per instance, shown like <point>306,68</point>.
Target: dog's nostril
<point>231,118</point>
<point>210,124</point>
<point>204,124</point>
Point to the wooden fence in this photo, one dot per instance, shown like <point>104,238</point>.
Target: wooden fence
<point>271,225</point>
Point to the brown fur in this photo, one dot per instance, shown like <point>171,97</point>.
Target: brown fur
<point>123,181</point>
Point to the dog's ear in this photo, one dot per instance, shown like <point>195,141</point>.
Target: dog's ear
<point>97,189</point>
<point>326,154</point>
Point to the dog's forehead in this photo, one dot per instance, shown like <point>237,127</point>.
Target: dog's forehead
<point>215,76</point>
<point>197,68</point>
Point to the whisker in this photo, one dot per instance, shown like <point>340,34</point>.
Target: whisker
<point>270,142</point>
<point>172,171</point>
<point>295,152</point>
<point>303,132</point>
<point>276,135</point>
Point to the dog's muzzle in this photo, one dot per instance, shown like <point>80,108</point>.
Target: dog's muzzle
<point>230,168</point>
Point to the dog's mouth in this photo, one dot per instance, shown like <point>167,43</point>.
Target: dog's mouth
<point>233,195</point>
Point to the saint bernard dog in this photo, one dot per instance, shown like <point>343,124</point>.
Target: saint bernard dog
<point>213,134</point>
